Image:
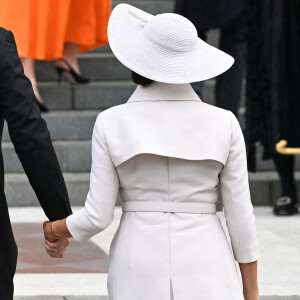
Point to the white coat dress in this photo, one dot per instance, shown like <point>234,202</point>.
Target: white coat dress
<point>165,147</point>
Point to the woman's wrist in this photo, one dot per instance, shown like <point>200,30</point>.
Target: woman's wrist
<point>56,230</point>
<point>48,231</point>
<point>53,231</point>
<point>61,229</point>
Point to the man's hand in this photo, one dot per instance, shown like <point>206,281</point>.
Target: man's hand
<point>58,248</point>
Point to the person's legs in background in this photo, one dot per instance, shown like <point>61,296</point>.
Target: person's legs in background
<point>29,70</point>
<point>285,205</point>
<point>70,55</point>
<point>68,64</point>
<point>229,84</point>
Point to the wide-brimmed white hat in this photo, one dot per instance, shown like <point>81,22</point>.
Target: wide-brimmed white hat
<point>164,48</point>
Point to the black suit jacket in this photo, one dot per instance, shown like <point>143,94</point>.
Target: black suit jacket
<point>29,133</point>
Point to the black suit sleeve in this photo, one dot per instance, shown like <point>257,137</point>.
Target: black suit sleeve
<point>29,133</point>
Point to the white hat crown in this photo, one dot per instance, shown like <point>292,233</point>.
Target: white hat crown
<point>172,32</point>
<point>164,48</point>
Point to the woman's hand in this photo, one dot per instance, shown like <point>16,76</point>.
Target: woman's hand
<point>56,248</point>
<point>48,232</point>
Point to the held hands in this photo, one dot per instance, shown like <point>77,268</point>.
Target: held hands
<point>54,246</point>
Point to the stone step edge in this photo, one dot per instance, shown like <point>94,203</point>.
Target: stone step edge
<point>70,177</point>
<point>258,176</point>
<point>108,83</point>
<point>91,112</point>
<point>9,145</point>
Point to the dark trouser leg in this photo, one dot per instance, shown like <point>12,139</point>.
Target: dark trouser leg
<point>229,84</point>
<point>8,252</point>
<point>285,167</point>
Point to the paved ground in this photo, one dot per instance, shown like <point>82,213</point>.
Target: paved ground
<point>106,298</point>
<point>82,274</point>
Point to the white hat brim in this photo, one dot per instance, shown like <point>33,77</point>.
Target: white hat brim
<point>133,49</point>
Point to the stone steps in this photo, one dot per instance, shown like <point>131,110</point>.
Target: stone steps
<point>75,108</point>
<point>97,95</point>
<point>264,187</point>
<point>75,156</point>
<point>96,66</point>
<point>82,104</point>
<point>71,132</point>
<point>68,125</point>
<point>19,192</point>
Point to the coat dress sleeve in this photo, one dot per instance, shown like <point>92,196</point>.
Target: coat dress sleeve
<point>235,194</point>
<point>98,212</point>
<point>29,133</point>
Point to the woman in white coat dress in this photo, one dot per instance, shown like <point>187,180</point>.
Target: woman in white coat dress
<point>168,154</point>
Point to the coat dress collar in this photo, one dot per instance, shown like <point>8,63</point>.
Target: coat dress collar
<point>188,129</point>
<point>158,91</point>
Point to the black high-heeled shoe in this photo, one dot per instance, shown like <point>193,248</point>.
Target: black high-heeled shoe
<point>73,77</point>
<point>43,108</point>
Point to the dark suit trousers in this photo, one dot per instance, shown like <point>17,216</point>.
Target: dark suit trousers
<point>8,247</point>
<point>8,252</point>
<point>228,89</point>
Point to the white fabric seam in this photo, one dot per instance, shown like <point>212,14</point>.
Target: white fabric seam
<point>102,129</point>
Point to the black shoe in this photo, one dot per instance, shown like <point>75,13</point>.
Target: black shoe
<point>73,77</point>
<point>285,207</point>
<point>43,108</point>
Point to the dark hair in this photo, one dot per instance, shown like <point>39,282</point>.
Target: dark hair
<point>140,80</point>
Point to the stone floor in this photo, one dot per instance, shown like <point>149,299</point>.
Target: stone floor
<point>83,272</point>
<point>81,258</point>
<point>106,298</point>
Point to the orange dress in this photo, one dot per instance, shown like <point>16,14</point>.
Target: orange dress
<point>41,27</point>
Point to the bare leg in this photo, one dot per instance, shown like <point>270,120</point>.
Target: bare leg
<point>28,65</point>
<point>70,54</point>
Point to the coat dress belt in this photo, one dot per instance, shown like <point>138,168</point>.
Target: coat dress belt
<point>175,207</point>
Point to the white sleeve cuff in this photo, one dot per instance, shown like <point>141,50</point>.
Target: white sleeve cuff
<point>81,227</point>
<point>251,255</point>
